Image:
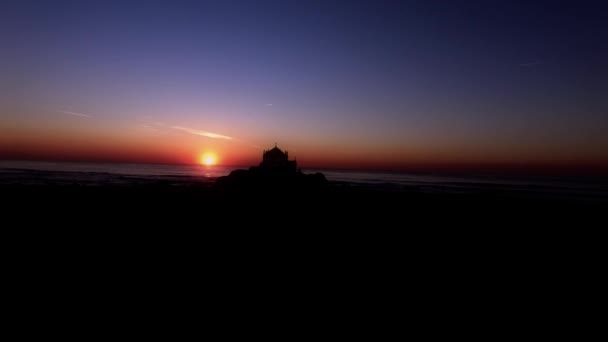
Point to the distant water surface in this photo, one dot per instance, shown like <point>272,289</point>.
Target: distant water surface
<point>131,169</point>
<point>36,172</point>
<point>70,173</point>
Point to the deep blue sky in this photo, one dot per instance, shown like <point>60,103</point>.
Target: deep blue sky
<point>386,82</point>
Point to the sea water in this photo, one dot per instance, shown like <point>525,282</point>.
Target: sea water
<point>39,172</point>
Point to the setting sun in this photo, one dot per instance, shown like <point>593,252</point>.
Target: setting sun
<point>208,160</point>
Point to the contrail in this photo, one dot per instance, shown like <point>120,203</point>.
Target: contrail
<point>202,133</point>
<point>72,113</point>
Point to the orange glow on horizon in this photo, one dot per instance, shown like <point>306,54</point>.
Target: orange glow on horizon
<point>59,141</point>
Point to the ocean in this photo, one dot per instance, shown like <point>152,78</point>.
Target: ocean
<point>95,174</point>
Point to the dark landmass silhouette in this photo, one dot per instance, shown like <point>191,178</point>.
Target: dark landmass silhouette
<point>258,179</point>
<point>276,173</point>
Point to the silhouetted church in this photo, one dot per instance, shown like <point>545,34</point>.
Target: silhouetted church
<point>277,160</point>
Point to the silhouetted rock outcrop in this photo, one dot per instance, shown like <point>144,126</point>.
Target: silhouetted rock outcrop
<point>276,173</point>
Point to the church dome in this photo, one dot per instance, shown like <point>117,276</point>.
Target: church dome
<point>276,159</point>
<point>275,152</point>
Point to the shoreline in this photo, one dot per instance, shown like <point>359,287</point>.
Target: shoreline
<point>38,180</point>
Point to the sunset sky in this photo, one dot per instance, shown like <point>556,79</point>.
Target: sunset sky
<point>352,84</point>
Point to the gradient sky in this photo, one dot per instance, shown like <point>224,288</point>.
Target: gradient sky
<point>357,84</point>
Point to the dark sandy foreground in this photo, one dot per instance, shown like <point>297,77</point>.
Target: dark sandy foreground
<point>339,204</point>
<point>194,234</point>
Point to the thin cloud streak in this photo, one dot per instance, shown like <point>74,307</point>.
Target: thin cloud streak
<point>202,133</point>
<point>73,113</point>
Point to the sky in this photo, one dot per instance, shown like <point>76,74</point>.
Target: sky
<point>346,84</point>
